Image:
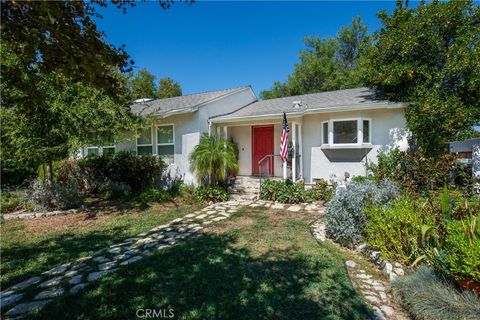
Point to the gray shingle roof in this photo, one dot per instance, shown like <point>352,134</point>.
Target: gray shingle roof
<point>181,104</point>
<point>357,98</point>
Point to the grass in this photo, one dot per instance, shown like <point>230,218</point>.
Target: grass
<point>30,247</point>
<point>259,264</point>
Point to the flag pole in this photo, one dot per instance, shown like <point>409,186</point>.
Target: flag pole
<point>285,170</point>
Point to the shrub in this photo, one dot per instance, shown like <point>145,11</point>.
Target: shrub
<point>10,202</point>
<point>188,193</point>
<point>138,172</point>
<point>320,191</point>
<point>116,190</point>
<point>345,214</point>
<point>154,195</point>
<point>418,173</point>
<point>44,195</point>
<point>284,191</point>
<point>401,231</point>
<point>460,254</point>
<point>211,194</point>
<point>427,295</point>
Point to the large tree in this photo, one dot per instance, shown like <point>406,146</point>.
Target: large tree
<point>60,80</point>
<point>326,64</point>
<point>429,57</point>
<point>143,85</point>
<point>168,88</point>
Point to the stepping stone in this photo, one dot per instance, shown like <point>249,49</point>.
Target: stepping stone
<point>26,307</point>
<point>193,225</point>
<point>190,215</point>
<point>99,251</point>
<point>51,282</point>
<point>372,299</point>
<point>277,206</point>
<point>185,235</point>
<point>141,235</point>
<point>202,216</point>
<point>107,265</point>
<point>232,210</point>
<point>77,288</point>
<point>100,259</point>
<point>171,234</point>
<point>120,257</point>
<point>383,296</point>
<point>176,220</point>
<point>132,251</point>
<point>119,245</point>
<point>150,245</point>
<point>363,276</point>
<point>131,260</point>
<point>49,294</point>
<point>224,214</point>
<point>71,273</point>
<point>207,222</point>
<point>163,246</point>
<point>387,310</point>
<point>27,283</point>
<point>219,219</point>
<point>254,205</point>
<point>6,293</point>
<point>147,253</point>
<point>115,250</point>
<point>198,228</point>
<point>57,270</point>
<point>294,208</point>
<point>350,264</point>
<point>75,280</point>
<point>95,275</point>
<point>82,259</point>
<point>11,299</point>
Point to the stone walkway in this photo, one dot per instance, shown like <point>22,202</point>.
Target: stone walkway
<point>71,277</point>
<point>375,290</point>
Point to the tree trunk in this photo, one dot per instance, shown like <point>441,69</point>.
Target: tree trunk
<point>50,171</point>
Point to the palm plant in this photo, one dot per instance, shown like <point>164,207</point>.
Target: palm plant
<point>212,159</point>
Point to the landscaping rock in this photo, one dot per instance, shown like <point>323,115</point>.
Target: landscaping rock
<point>131,260</point>
<point>350,264</point>
<point>26,307</point>
<point>95,275</point>
<point>9,300</point>
<point>71,273</point>
<point>51,282</point>
<point>100,259</point>
<point>294,208</point>
<point>27,283</point>
<point>77,288</point>
<point>75,280</point>
<point>107,265</point>
<point>49,294</point>
<point>387,310</point>
<point>377,314</point>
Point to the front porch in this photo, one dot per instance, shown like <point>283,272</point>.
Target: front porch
<point>259,146</point>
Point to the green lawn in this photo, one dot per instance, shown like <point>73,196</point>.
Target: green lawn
<point>259,264</point>
<point>29,247</point>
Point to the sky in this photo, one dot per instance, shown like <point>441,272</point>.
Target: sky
<point>215,45</point>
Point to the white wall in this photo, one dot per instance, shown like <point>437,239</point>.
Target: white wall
<point>225,105</point>
<point>388,131</point>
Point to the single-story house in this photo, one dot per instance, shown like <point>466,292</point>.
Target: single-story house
<point>332,134</point>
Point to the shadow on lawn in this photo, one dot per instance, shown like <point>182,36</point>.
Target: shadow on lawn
<point>67,246</point>
<point>209,278</point>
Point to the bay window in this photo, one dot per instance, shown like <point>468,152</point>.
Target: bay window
<point>346,132</point>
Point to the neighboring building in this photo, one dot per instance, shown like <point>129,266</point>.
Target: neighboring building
<point>177,124</point>
<point>333,133</point>
<point>468,152</point>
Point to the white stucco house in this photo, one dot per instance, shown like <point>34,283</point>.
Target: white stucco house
<point>332,134</point>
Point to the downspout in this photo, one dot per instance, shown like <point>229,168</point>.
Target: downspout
<point>209,129</point>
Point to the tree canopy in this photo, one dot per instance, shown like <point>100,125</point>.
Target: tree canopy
<point>429,57</point>
<point>168,88</point>
<point>326,64</point>
<point>143,85</point>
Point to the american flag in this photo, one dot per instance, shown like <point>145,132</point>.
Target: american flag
<point>284,139</point>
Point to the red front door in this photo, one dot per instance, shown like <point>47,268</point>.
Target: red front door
<point>262,141</point>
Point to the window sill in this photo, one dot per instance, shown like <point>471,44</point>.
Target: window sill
<point>346,146</point>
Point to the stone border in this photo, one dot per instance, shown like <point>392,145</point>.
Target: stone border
<point>391,271</point>
<point>33,215</point>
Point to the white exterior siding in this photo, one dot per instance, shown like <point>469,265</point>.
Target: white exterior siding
<point>387,131</point>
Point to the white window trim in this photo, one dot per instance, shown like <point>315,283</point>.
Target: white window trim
<point>168,143</point>
<point>328,132</point>
<point>146,145</point>
<point>359,131</point>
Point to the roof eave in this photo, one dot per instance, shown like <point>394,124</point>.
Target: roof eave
<point>308,111</point>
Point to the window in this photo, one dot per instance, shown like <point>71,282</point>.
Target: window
<point>166,143</point>
<point>325,132</point>
<point>144,142</point>
<point>108,150</point>
<point>92,150</point>
<point>345,131</point>
<point>366,131</point>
